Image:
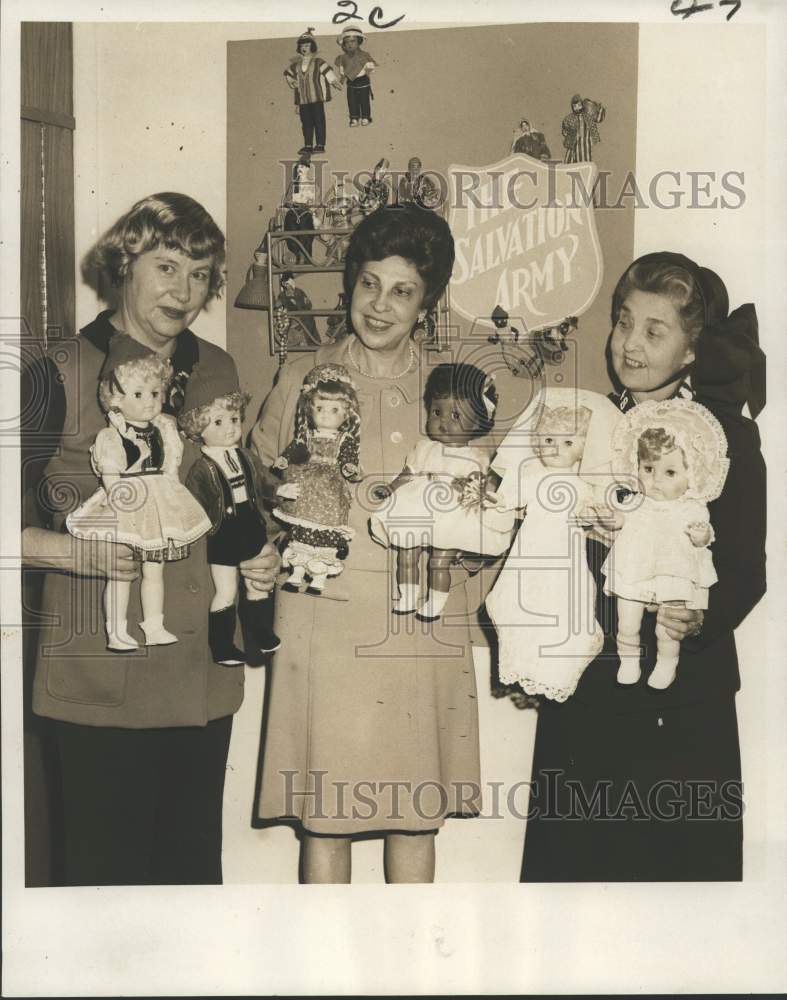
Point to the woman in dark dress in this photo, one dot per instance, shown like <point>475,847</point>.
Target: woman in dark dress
<point>630,783</point>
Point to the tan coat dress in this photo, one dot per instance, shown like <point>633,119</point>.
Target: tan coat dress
<point>372,717</point>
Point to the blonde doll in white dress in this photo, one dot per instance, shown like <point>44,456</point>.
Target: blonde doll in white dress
<point>141,501</point>
<point>553,463</point>
<point>675,452</point>
<point>438,501</point>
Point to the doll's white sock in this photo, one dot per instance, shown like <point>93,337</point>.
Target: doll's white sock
<point>664,672</point>
<point>408,597</point>
<point>434,604</point>
<point>628,651</point>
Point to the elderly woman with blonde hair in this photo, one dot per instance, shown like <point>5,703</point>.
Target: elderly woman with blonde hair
<point>142,739</point>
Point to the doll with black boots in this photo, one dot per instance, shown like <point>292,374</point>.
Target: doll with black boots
<point>141,502</point>
<point>439,500</point>
<point>311,79</point>
<point>319,462</point>
<point>231,484</point>
<point>354,65</point>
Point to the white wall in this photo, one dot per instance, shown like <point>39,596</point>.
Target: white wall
<point>718,89</point>
<point>144,91</point>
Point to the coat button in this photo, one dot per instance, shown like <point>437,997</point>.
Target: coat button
<point>394,400</point>
<point>397,437</point>
<point>193,588</point>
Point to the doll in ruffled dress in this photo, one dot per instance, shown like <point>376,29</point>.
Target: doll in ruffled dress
<point>438,502</point>
<point>141,501</point>
<point>675,451</point>
<point>317,466</point>
<point>543,601</point>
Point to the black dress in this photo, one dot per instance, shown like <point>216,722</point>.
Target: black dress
<point>634,784</point>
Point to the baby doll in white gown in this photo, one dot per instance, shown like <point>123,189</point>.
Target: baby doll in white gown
<point>675,453</point>
<point>552,463</point>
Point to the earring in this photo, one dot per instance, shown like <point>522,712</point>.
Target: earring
<point>420,331</point>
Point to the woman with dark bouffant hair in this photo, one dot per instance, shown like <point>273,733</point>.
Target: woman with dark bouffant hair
<point>142,738</point>
<point>371,727</point>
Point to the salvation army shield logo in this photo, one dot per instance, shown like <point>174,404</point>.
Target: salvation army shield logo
<point>526,240</point>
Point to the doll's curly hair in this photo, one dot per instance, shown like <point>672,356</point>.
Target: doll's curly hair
<point>655,442</point>
<point>151,368</point>
<point>565,420</point>
<point>465,383</point>
<point>194,421</point>
<point>328,388</point>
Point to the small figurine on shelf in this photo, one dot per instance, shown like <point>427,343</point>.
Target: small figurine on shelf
<point>526,356</point>
<point>311,78</point>
<point>336,326</point>
<point>303,187</point>
<point>141,502</point>
<point>319,462</point>
<point>542,603</point>
<point>230,482</point>
<point>529,142</point>
<point>354,65</point>
<point>438,501</point>
<point>303,329</point>
<point>580,129</point>
<point>298,202</point>
<point>416,187</point>
<point>375,192</point>
<point>339,211</point>
<point>677,451</point>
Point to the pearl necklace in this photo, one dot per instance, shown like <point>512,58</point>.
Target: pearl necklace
<point>390,378</point>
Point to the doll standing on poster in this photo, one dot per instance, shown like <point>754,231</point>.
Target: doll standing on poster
<point>676,451</point>
<point>231,484</point>
<point>354,65</point>
<point>141,502</point>
<point>580,129</point>
<point>311,79</point>
<point>319,462</point>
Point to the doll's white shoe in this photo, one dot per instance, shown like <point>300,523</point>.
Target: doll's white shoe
<point>365,121</point>
<point>296,577</point>
<point>433,606</point>
<point>408,599</point>
<point>155,633</point>
<point>119,641</point>
<point>629,671</point>
<point>353,122</point>
<point>663,673</point>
